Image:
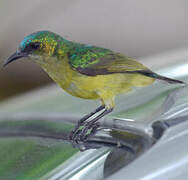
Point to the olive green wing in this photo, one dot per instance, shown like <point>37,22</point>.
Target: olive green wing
<point>94,61</point>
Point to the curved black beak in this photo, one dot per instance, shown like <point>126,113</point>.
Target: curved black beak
<point>15,56</point>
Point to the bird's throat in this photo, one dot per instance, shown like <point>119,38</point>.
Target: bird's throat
<point>58,69</point>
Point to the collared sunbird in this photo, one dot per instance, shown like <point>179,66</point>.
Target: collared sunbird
<point>86,71</point>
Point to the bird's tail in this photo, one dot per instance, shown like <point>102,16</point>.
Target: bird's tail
<point>157,76</point>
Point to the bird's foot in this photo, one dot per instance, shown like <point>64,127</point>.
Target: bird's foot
<point>76,130</point>
<point>89,130</point>
<point>82,133</point>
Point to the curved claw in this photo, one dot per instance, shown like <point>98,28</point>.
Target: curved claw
<point>75,130</point>
<point>75,138</point>
<point>82,135</point>
<point>85,134</point>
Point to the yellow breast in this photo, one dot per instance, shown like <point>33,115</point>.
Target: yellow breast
<point>93,87</point>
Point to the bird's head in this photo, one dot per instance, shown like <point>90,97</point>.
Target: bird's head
<point>38,47</point>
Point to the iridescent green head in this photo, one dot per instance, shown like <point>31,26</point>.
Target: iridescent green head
<point>39,44</point>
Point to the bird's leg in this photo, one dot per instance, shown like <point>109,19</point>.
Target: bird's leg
<point>92,125</point>
<point>91,114</point>
<point>82,120</point>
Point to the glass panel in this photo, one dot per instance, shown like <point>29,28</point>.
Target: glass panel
<point>34,131</point>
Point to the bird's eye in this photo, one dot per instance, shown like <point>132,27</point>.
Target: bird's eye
<point>35,45</point>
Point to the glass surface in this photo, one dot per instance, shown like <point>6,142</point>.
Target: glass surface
<point>30,149</point>
<point>34,130</point>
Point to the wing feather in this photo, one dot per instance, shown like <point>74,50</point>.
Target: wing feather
<point>94,61</point>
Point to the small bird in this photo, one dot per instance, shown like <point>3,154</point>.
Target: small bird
<point>86,71</point>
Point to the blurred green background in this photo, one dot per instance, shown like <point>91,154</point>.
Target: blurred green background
<point>135,28</point>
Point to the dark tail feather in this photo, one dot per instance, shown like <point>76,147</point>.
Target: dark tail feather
<point>157,76</point>
<point>169,80</point>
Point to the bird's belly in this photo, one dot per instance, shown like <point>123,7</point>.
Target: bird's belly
<point>81,91</point>
<point>106,86</point>
<point>93,87</point>
<point>100,86</point>
<point>72,82</point>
